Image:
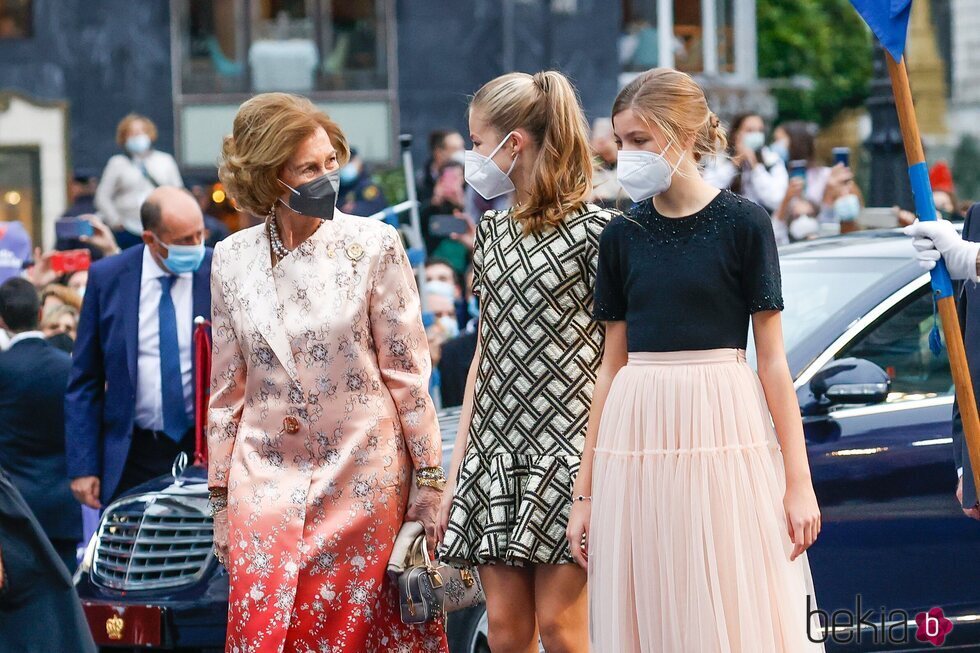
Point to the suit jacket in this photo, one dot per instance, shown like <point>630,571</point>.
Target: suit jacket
<point>968,308</point>
<point>33,378</point>
<point>39,610</point>
<point>100,405</point>
<point>454,367</point>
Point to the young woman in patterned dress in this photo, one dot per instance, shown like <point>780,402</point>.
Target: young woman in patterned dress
<point>527,396</point>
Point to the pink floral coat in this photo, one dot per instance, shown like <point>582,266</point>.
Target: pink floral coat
<point>319,411</point>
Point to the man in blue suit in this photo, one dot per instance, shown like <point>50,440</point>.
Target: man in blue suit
<point>129,406</point>
<point>33,378</point>
<point>962,257</point>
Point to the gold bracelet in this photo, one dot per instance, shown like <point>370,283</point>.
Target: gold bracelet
<point>217,503</point>
<point>438,484</point>
<point>431,473</point>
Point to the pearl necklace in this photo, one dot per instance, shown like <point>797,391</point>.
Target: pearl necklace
<point>278,247</point>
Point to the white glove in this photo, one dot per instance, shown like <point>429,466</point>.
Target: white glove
<point>937,238</point>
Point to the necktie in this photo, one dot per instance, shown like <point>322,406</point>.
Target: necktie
<point>175,421</point>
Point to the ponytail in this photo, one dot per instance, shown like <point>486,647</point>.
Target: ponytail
<point>546,106</point>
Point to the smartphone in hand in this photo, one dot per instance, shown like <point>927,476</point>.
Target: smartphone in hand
<point>72,260</point>
<point>73,228</point>
<point>445,225</point>
<point>797,169</point>
<point>842,155</point>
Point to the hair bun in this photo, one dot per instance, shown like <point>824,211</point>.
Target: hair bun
<point>540,80</point>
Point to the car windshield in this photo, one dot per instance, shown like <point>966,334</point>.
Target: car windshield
<point>816,289</point>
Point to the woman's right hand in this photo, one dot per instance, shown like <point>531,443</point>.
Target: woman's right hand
<point>221,536</point>
<point>795,188</point>
<point>837,182</point>
<point>102,236</point>
<point>578,532</point>
<point>442,520</point>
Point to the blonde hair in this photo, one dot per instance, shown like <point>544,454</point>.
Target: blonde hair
<point>267,130</point>
<point>674,102</point>
<point>123,127</point>
<point>547,107</point>
<point>55,312</point>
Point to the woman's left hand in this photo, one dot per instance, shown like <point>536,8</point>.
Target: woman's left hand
<point>802,516</point>
<point>426,510</point>
<point>41,273</point>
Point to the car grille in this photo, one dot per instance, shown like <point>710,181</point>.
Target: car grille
<point>153,541</point>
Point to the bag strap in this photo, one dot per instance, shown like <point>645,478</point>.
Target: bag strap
<point>420,548</point>
<point>141,166</point>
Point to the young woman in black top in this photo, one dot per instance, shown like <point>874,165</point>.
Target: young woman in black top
<point>694,500</point>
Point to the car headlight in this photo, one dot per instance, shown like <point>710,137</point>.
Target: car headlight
<point>87,559</point>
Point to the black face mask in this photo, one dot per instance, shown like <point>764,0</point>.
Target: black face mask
<point>317,198</point>
<point>62,341</point>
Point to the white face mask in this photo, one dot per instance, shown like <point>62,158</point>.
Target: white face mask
<point>753,140</point>
<point>449,325</point>
<point>138,144</point>
<point>485,176</point>
<point>643,174</point>
<point>847,207</point>
<point>803,227</point>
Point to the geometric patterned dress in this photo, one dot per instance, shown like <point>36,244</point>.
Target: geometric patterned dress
<point>540,353</point>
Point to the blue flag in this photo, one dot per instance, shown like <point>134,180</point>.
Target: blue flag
<point>889,20</point>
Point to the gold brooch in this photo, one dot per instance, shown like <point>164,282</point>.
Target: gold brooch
<point>354,251</point>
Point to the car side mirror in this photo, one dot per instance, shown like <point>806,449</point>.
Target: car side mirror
<point>850,381</point>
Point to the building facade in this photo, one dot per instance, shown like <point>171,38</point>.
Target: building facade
<point>964,116</point>
<point>380,67</point>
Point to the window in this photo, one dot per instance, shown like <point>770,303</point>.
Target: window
<point>726,35</point>
<point>701,35</point>
<point>688,37</point>
<point>20,185</point>
<point>336,52</point>
<point>899,344</point>
<point>302,46</point>
<point>820,290</point>
<point>15,19</point>
<point>639,44</point>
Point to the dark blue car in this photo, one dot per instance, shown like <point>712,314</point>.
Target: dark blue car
<point>876,405</point>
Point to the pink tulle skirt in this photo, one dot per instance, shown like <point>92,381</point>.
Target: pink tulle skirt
<point>689,549</point>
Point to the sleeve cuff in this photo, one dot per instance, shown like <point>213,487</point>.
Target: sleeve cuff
<point>959,472</point>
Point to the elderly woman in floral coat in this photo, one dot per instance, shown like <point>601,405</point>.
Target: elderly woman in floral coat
<point>319,411</point>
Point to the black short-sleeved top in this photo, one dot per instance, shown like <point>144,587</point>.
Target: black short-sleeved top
<point>688,283</point>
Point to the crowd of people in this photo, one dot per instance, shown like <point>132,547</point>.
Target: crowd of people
<point>582,399</point>
<point>820,200</point>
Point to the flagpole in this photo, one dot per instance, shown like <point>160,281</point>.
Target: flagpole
<point>941,284</point>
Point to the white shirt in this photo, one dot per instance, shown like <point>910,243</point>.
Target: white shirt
<point>123,187</point>
<point>765,184</point>
<point>149,397</point>
<point>26,335</point>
